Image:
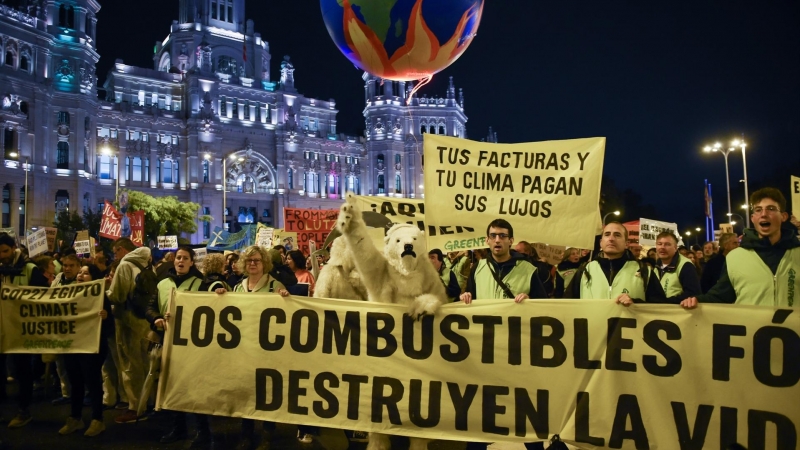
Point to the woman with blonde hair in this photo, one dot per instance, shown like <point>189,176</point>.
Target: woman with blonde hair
<point>255,263</point>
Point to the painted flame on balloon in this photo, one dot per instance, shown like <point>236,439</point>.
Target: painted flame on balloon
<point>428,56</point>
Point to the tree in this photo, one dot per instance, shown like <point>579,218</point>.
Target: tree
<point>165,216</point>
<point>69,221</point>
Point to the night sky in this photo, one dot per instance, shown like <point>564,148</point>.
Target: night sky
<point>659,79</point>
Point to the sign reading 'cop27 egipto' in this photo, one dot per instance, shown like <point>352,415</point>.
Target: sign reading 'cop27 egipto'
<point>596,373</point>
<point>60,319</point>
<point>548,189</point>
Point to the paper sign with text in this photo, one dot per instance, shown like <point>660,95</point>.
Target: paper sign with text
<point>595,373</point>
<point>649,229</point>
<point>61,319</point>
<point>309,224</point>
<point>551,189</point>
<point>37,242</point>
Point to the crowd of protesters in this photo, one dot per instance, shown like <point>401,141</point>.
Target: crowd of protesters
<point>114,377</point>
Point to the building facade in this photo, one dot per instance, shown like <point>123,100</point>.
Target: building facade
<point>207,123</point>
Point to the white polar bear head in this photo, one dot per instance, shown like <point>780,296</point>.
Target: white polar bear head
<point>404,248</point>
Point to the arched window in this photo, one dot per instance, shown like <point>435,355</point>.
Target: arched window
<point>381,185</point>
<point>71,17</point>
<point>423,129</point>
<point>432,129</point>
<point>23,108</point>
<point>62,16</point>
<point>398,187</point>
<point>380,159</point>
<point>11,55</point>
<point>62,155</point>
<point>24,62</point>
<point>441,129</point>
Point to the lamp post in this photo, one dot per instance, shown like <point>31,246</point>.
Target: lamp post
<point>718,148</point>
<point>741,144</point>
<point>616,213</point>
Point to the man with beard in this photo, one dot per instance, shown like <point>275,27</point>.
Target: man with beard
<point>17,270</point>
<point>616,274</point>
<point>763,270</point>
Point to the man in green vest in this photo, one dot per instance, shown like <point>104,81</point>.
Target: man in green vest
<point>676,273</point>
<point>16,269</point>
<point>764,270</point>
<point>438,260</point>
<point>518,276</point>
<point>616,274</point>
<point>503,274</point>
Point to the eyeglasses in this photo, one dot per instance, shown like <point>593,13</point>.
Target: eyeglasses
<point>494,236</point>
<point>252,261</point>
<point>769,209</point>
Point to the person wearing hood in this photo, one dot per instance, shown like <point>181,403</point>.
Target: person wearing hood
<point>504,274</point>
<point>676,273</point>
<point>763,270</point>
<point>183,276</point>
<point>18,270</point>
<point>566,270</point>
<point>616,274</point>
<point>130,330</point>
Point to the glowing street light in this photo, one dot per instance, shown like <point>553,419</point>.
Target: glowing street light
<point>741,144</point>
<point>717,147</point>
<point>616,213</point>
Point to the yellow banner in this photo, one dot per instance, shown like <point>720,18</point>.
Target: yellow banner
<point>51,320</point>
<point>549,190</point>
<point>596,373</point>
<point>796,197</point>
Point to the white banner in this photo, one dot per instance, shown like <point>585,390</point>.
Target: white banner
<point>167,242</point>
<point>649,229</point>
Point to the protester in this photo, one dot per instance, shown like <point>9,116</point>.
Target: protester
<point>544,270</point>
<point>100,267</point>
<point>18,270</point>
<point>460,266</point>
<point>296,262</point>
<point>280,271</point>
<point>503,274</point>
<point>70,267</point>
<point>616,274</point>
<point>715,265</point>
<point>760,272</point>
<point>566,270</point>
<point>676,273</point>
<point>183,276</point>
<point>709,250</point>
<point>437,259</point>
<point>113,394</point>
<point>213,267</point>
<point>131,331</point>
<point>45,264</point>
<point>233,270</point>
<point>636,251</point>
<point>85,371</point>
<point>256,264</point>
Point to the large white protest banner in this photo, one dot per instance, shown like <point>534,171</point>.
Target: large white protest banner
<point>795,189</point>
<point>597,374</point>
<point>37,242</point>
<point>548,189</point>
<point>649,229</point>
<point>61,319</point>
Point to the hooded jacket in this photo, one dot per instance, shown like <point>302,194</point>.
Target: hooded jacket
<point>771,255</point>
<point>125,275</point>
<point>561,283</point>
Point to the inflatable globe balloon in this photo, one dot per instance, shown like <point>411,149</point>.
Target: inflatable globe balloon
<point>402,40</point>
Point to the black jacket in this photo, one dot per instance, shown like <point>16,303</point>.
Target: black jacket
<point>712,272</point>
<point>536,289</point>
<point>214,281</point>
<point>687,277</point>
<point>152,313</point>
<point>611,267</point>
<point>723,291</point>
<point>564,265</point>
<point>284,274</point>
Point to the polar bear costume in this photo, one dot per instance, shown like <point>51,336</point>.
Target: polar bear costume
<point>401,274</point>
<point>339,278</point>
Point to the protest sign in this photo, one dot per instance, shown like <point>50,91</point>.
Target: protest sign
<point>264,237</point>
<point>591,371</point>
<point>309,224</point>
<point>82,235</point>
<point>110,226</point>
<point>795,190</point>
<point>37,242</point>
<point>199,256</point>
<point>167,242</point>
<point>649,229</point>
<point>51,238</point>
<point>83,248</point>
<point>724,228</point>
<point>136,220</point>
<point>633,231</point>
<point>553,254</point>
<point>551,189</point>
<point>60,319</point>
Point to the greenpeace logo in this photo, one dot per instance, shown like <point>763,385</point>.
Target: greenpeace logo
<point>790,293</point>
<point>47,343</point>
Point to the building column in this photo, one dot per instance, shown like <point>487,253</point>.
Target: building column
<point>13,207</point>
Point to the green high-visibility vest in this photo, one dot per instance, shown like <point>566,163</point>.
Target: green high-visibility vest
<point>567,275</point>
<point>670,281</point>
<point>754,282</point>
<point>627,281</point>
<point>166,286</point>
<point>518,280</point>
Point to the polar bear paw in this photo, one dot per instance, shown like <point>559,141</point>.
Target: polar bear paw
<point>425,304</point>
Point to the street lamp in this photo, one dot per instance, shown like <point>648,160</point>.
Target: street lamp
<point>718,148</point>
<point>616,213</point>
<point>743,146</point>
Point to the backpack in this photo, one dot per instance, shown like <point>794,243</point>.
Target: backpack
<point>145,287</point>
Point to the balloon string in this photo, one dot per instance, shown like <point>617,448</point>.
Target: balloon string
<point>422,82</point>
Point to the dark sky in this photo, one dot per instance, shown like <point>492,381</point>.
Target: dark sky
<point>658,79</point>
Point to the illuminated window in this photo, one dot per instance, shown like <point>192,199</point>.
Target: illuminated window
<point>62,155</point>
